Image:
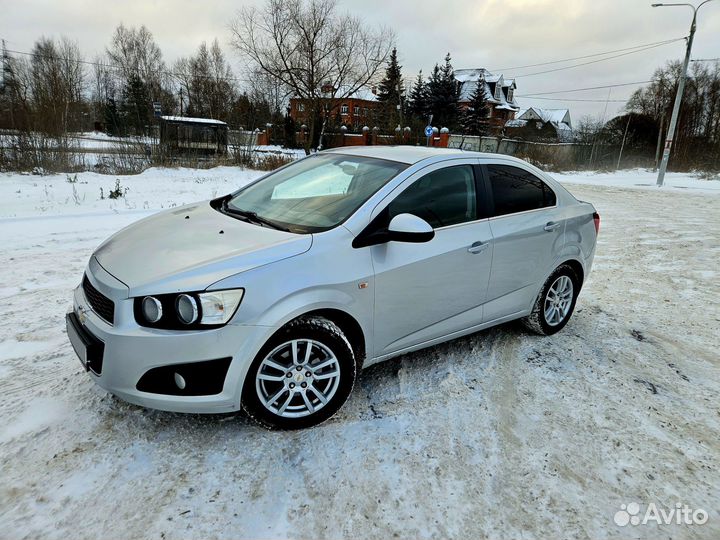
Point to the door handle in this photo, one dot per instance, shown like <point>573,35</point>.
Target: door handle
<point>551,226</point>
<point>478,247</point>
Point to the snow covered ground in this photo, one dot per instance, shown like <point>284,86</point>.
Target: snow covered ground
<point>501,434</point>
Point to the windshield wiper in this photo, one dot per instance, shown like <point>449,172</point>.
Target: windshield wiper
<point>253,217</point>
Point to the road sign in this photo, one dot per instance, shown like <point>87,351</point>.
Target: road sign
<point>428,131</point>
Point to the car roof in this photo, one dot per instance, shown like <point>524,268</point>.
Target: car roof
<point>411,154</point>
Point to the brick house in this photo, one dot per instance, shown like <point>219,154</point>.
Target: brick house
<point>354,111</point>
<point>499,93</point>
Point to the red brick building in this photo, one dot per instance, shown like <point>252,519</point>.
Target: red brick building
<point>354,111</point>
<point>499,93</point>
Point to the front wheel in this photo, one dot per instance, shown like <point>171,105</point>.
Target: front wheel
<point>556,302</point>
<point>301,377</point>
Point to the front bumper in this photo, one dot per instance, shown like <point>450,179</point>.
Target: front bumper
<point>130,351</point>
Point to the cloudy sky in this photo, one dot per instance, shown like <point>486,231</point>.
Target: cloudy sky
<point>496,34</point>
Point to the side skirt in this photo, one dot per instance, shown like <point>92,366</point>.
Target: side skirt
<point>447,337</point>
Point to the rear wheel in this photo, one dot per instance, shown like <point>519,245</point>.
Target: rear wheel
<point>301,377</point>
<point>556,302</point>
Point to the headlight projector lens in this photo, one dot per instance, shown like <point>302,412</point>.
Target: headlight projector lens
<point>186,308</point>
<point>151,309</point>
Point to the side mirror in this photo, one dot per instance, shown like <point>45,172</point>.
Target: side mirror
<point>410,228</point>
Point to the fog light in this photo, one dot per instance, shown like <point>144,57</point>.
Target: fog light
<point>187,309</point>
<point>179,381</point>
<point>151,309</point>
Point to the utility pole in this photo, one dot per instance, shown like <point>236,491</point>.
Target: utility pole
<point>399,105</point>
<point>680,89</point>
<point>181,101</point>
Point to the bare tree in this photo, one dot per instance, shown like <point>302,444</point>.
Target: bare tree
<point>308,47</point>
<point>57,81</point>
<point>207,81</point>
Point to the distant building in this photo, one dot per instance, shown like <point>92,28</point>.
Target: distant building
<point>354,111</point>
<point>535,123</point>
<point>499,93</point>
<point>183,134</point>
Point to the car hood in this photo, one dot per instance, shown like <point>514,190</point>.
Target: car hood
<point>190,248</point>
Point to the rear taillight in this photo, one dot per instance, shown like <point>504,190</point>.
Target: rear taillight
<point>596,220</point>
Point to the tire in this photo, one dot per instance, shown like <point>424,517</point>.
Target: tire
<point>293,398</point>
<point>544,320</point>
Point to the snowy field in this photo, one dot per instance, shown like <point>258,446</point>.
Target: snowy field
<point>501,434</point>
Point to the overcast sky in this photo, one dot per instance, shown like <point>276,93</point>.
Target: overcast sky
<point>494,34</point>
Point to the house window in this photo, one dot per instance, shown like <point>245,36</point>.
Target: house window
<point>365,111</point>
<point>510,94</point>
<point>356,110</point>
<point>301,107</point>
<point>498,91</point>
<point>343,109</point>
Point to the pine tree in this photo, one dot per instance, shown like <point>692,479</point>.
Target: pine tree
<point>135,106</point>
<point>391,93</point>
<point>476,118</point>
<point>418,102</point>
<point>443,94</point>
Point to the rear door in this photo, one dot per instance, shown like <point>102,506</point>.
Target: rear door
<point>528,232</point>
<point>427,290</point>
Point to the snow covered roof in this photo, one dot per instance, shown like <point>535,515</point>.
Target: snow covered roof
<point>193,120</point>
<point>558,118</point>
<point>554,116</point>
<point>469,78</point>
<point>362,93</point>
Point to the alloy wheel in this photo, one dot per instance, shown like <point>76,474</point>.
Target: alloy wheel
<point>558,300</point>
<point>297,378</point>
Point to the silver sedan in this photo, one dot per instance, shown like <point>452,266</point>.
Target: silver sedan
<point>271,299</point>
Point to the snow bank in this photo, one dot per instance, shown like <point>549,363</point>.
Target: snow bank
<point>501,434</point>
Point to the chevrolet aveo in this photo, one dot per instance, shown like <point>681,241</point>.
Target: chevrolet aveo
<point>273,298</point>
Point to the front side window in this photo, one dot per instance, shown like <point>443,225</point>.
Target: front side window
<point>343,109</point>
<point>316,193</point>
<point>443,197</point>
<point>515,190</point>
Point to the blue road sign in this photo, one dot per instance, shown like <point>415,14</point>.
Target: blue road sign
<point>428,131</point>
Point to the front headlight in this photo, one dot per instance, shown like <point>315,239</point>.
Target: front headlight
<point>218,306</point>
<point>188,311</point>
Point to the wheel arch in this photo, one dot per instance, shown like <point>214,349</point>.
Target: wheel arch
<point>347,323</point>
<point>576,267</point>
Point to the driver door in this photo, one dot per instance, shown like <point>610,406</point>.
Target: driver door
<point>428,290</point>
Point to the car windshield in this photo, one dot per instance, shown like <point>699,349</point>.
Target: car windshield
<point>314,194</point>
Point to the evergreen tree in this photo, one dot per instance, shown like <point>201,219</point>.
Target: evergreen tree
<point>418,102</point>
<point>443,94</point>
<point>391,93</point>
<point>112,118</point>
<point>135,107</point>
<point>476,118</point>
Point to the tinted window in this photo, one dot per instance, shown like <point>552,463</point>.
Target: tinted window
<point>443,197</point>
<point>516,190</point>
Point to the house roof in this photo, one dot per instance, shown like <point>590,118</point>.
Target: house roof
<point>192,120</point>
<point>469,78</point>
<point>558,118</point>
<point>555,116</point>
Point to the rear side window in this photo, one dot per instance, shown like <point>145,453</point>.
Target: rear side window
<point>515,190</point>
<point>443,197</point>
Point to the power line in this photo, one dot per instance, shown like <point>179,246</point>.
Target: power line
<point>578,99</point>
<point>590,55</point>
<point>583,89</point>
<point>706,60</point>
<point>590,62</point>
